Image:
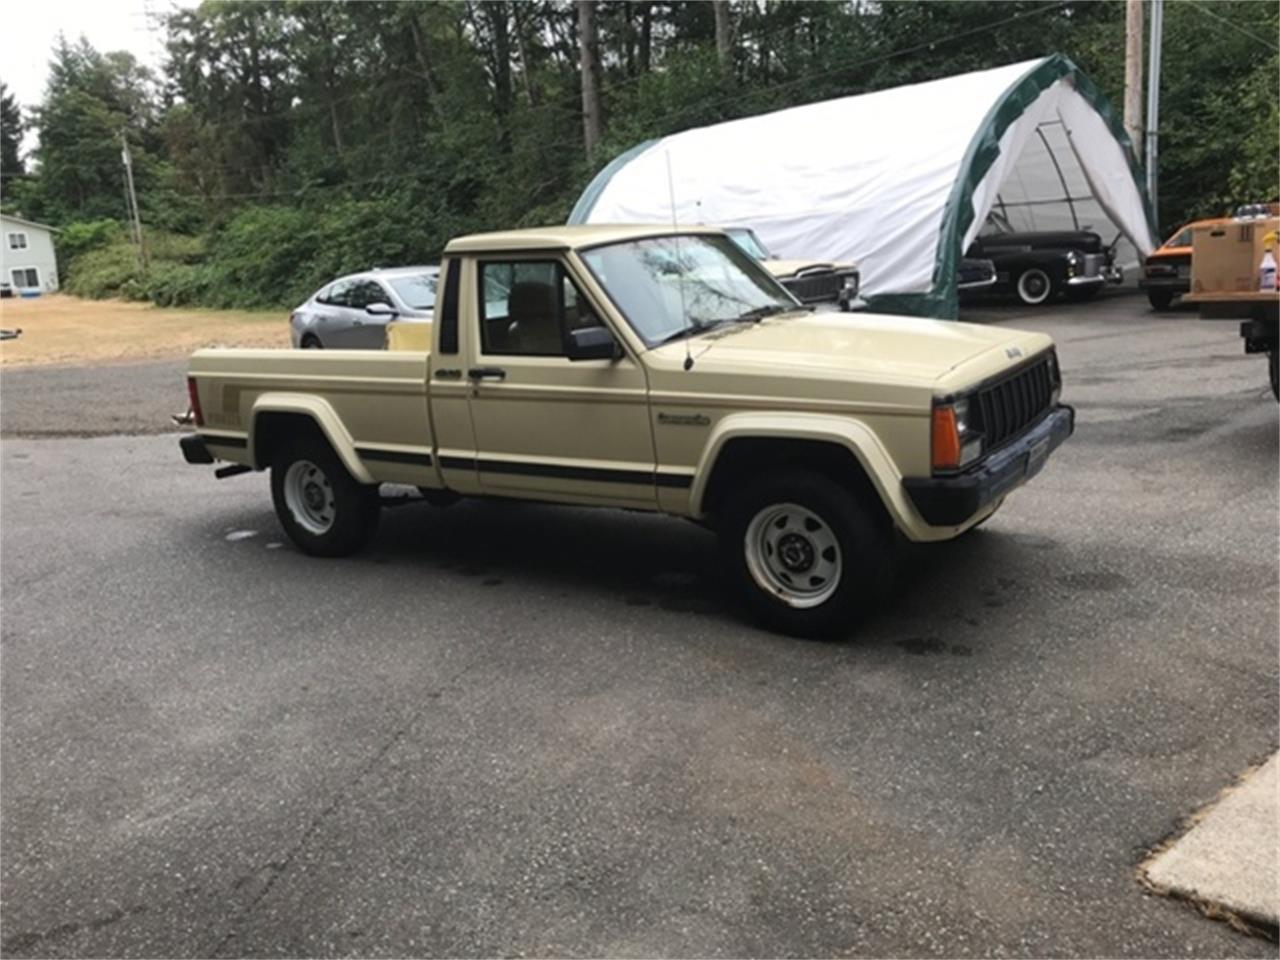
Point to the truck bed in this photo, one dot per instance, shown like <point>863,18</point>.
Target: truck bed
<point>376,403</point>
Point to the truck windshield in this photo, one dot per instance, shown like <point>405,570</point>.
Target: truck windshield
<point>746,238</point>
<point>668,285</point>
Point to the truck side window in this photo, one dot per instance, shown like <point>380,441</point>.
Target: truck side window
<point>528,306</point>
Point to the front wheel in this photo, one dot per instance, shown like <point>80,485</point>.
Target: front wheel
<point>1160,299</point>
<point>323,509</point>
<point>1034,286</point>
<point>806,555</point>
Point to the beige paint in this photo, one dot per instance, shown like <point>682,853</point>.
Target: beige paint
<point>862,381</point>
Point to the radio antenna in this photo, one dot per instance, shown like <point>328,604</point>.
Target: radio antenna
<point>675,227</point>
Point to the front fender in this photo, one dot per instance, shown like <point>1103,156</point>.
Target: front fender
<point>847,432</point>
<point>324,416</point>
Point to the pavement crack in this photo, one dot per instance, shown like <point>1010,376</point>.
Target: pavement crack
<point>275,869</point>
<point>23,942</point>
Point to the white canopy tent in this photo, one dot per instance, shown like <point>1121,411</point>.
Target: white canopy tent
<point>900,180</point>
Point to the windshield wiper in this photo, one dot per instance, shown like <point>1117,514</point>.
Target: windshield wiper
<point>694,326</point>
<point>769,310</point>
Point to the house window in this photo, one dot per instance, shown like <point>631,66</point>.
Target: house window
<point>25,278</point>
<point>17,241</point>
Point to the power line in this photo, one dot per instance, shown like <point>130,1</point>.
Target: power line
<point>1225,22</point>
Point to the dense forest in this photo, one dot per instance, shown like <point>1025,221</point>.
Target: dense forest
<point>282,143</point>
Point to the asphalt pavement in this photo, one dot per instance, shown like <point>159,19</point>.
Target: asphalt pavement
<point>112,398</point>
<point>514,729</point>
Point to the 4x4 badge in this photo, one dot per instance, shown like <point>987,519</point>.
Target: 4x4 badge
<point>684,419</point>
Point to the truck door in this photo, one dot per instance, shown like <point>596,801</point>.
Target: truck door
<point>546,426</point>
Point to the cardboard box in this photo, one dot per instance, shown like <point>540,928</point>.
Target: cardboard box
<point>1225,256</point>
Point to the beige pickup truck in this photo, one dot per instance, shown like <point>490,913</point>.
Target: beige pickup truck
<point>660,370</point>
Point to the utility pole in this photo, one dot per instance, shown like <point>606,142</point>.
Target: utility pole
<point>1153,104</point>
<point>133,198</point>
<point>1133,74</point>
<point>592,122</point>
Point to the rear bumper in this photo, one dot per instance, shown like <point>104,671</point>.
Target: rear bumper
<point>194,450</point>
<point>951,501</point>
<point>1172,284</point>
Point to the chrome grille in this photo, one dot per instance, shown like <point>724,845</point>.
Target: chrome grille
<point>815,287</point>
<point>1011,405</point>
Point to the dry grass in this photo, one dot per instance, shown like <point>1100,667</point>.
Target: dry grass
<point>67,330</point>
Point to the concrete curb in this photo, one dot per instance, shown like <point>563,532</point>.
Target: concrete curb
<point>1228,862</point>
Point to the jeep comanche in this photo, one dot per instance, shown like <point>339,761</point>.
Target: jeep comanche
<point>660,370</point>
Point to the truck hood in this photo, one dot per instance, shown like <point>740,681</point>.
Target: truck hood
<point>788,268</point>
<point>875,345</point>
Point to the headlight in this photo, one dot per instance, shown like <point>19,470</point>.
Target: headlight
<point>1055,378</point>
<point>956,440</point>
<point>851,283</point>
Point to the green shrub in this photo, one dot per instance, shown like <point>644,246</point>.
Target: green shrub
<point>79,238</point>
<point>102,272</point>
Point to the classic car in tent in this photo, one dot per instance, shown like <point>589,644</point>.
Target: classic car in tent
<point>902,181</point>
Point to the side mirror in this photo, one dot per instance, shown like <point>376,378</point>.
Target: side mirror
<point>593,343</point>
<point>381,309</point>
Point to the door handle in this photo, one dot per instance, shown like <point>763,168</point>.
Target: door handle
<point>486,373</point>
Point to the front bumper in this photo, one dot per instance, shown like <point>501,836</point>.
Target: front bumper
<point>1105,275</point>
<point>950,501</point>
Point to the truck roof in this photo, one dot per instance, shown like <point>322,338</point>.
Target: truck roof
<point>565,237</point>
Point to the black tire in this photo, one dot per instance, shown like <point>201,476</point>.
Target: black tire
<point>862,535</point>
<point>351,507</point>
<point>1035,287</point>
<point>1273,360</point>
<point>311,342</point>
<point>1160,299</point>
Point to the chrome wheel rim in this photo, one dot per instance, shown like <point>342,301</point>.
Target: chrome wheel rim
<point>1034,286</point>
<point>309,497</point>
<point>793,554</point>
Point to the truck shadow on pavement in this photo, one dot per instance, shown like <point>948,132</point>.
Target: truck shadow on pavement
<point>665,564</point>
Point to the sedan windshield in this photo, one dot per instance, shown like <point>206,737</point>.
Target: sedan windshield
<point>418,291</point>
<point>667,287</point>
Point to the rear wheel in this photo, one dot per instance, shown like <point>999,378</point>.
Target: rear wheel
<point>1034,286</point>
<point>323,509</point>
<point>311,342</point>
<point>1160,299</point>
<point>804,553</point>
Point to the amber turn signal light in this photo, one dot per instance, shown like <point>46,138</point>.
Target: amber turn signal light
<point>946,439</point>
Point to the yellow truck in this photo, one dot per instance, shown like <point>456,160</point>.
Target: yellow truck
<point>658,370</point>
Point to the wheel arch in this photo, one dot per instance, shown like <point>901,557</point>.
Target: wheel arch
<point>844,447</point>
<point>277,416</point>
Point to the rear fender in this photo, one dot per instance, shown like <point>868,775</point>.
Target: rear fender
<point>847,432</point>
<point>324,416</point>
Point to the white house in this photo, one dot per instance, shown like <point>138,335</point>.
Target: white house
<point>26,250</point>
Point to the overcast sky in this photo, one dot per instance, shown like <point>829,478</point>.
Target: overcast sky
<point>32,26</point>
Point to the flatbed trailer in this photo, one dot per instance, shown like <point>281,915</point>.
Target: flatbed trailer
<point>1224,285</point>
